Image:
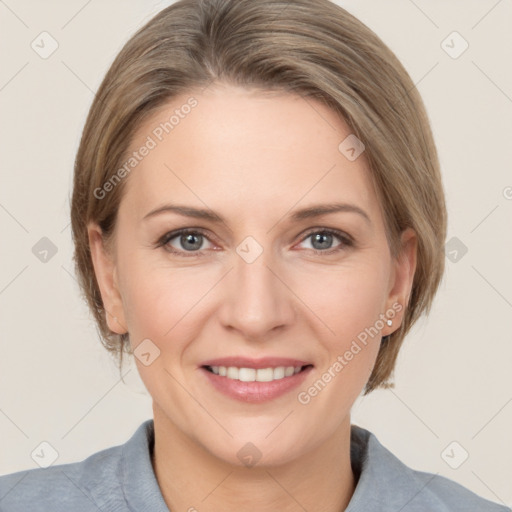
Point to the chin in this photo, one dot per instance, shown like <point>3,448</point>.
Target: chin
<point>264,446</point>
<point>256,455</point>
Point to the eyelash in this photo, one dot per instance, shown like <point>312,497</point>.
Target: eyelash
<point>345,239</point>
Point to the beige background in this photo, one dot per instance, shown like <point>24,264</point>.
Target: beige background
<point>453,380</point>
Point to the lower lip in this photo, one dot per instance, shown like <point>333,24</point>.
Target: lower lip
<point>256,392</point>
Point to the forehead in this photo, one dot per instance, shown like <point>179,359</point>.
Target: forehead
<point>230,147</point>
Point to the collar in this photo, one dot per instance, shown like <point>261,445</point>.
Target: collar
<point>138,480</point>
<point>384,483</point>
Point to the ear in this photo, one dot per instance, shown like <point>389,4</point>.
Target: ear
<point>402,278</point>
<point>106,275</point>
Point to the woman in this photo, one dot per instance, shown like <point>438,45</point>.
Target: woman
<point>259,219</point>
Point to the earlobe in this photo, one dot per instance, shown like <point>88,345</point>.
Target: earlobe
<point>404,270</point>
<point>105,271</point>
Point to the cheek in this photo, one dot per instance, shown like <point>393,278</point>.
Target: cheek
<point>159,300</point>
<point>349,303</point>
<point>348,299</point>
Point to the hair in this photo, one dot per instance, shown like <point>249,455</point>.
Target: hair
<point>313,48</point>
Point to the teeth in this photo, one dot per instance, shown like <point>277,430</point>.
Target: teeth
<point>278,372</point>
<point>246,374</point>
<point>289,371</point>
<point>232,373</point>
<point>253,375</point>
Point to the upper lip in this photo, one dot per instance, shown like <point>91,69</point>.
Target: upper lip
<point>263,362</point>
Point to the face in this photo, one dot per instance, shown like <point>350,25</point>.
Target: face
<point>265,281</point>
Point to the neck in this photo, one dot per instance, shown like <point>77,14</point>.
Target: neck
<point>193,479</point>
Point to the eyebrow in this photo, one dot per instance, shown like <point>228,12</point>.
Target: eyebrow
<point>304,213</point>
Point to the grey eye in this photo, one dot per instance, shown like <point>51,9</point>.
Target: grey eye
<point>191,241</point>
<point>321,240</point>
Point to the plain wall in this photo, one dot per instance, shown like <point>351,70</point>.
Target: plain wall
<point>453,378</point>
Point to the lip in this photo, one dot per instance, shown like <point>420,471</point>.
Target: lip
<point>256,392</point>
<point>263,362</point>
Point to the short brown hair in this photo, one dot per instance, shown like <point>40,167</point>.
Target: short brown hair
<point>309,47</point>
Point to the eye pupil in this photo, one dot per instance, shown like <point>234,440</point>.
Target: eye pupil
<point>189,237</point>
<point>322,237</point>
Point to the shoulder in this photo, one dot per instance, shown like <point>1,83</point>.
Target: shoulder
<point>96,483</point>
<point>385,483</point>
<point>71,486</point>
<point>117,479</point>
<point>453,495</point>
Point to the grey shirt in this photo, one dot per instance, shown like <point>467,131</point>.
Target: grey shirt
<point>121,479</point>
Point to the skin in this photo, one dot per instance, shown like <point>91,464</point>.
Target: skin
<point>253,158</point>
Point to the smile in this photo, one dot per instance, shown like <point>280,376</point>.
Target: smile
<point>256,385</point>
<point>255,375</point>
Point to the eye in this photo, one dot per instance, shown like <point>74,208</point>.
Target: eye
<point>184,240</point>
<point>322,240</point>
<point>189,242</point>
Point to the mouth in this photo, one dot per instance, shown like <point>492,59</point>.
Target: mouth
<point>255,380</point>
<point>246,374</point>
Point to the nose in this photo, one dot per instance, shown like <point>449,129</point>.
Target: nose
<point>256,300</point>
